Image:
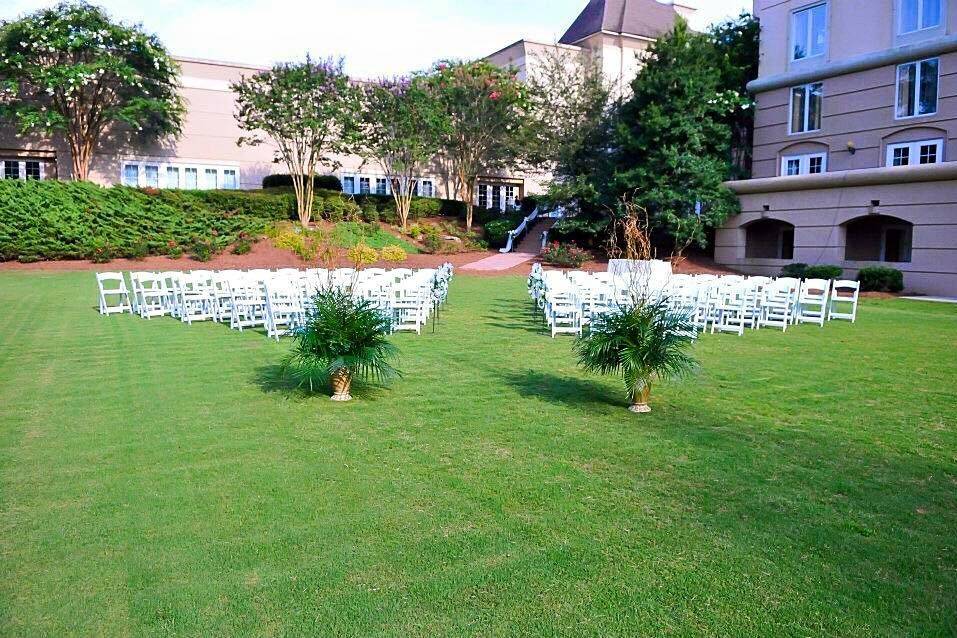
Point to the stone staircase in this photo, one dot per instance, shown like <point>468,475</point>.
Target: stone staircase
<point>532,241</point>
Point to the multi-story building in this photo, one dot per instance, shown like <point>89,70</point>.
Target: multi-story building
<point>207,156</point>
<point>855,141</point>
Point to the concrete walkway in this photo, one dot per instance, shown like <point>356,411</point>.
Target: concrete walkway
<point>934,299</point>
<point>527,250</point>
<point>499,262</point>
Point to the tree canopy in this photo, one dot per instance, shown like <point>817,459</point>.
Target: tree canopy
<point>403,125</point>
<point>71,70</point>
<point>489,114</point>
<point>309,110</point>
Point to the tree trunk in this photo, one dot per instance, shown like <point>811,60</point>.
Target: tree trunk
<point>81,154</point>
<point>469,189</point>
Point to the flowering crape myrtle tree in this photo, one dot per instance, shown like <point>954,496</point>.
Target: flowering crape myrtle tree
<point>309,110</point>
<point>488,112</point>
<point>402,129</point>
<point>70,70</point>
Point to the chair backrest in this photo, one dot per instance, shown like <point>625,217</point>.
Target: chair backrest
<point>845,289</point>
<point>112,285</point>
<point>815,288</point>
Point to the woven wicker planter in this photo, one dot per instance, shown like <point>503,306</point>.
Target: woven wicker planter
<point>639,403</point>
<point>341,385</point>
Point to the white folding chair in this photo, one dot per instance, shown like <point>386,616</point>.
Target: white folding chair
<point>113,293</point>
<point>844,293</point>
<point>813,300</point>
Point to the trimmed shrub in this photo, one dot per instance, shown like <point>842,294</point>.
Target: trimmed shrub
<point>284,180</point>
<point>393,253</point>
<point>823,272</point>
<point>496,232</point>
<point>803,271</point>
<point>80,220</point>
<point>795,270</point>
<point>881,279</point>
<point>362,255</point>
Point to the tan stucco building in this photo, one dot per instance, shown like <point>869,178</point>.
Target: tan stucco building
<point>207,156</point>
<point>855,141</point>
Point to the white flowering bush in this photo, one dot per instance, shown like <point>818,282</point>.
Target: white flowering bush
<point>70,70</point>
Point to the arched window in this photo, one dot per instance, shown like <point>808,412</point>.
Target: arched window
<point>769,239</point>
<point>878,238</point>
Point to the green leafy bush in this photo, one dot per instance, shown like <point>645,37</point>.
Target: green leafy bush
<point>795,270</point>
<point>823,272</point>
<point>881,279</point>
<point>80,220</point>
<point>564,255</point>
<point>203,250</point>
<point>496,232</point>
<point>803,271</point>
<point>284,180</point>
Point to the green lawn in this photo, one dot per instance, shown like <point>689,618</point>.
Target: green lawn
<point>156,480</point>
<point>348,234</point>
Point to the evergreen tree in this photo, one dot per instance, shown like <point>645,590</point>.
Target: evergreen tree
<point>672,142</point>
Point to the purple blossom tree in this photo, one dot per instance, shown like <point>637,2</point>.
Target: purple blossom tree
<point>402,129</point>
<point>309,110</point>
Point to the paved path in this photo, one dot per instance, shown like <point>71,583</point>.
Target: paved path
<point>527,250</point>
<point>498,262</point>
<point>935,299</point>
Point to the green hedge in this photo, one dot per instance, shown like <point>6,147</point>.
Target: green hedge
<point>76,220</point>
<point>42,220</point>
<point>284,180</point>
<point>803,271</point>
<point>880,279</point>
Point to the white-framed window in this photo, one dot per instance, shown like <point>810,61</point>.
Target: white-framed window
<point>32,169</point>
<point>364,186</point>
<point>483,195</point>
<point>21,169</point>
<point>807,164</point>
<point>917,88</point>
<point>349,184</point>
<point>165,175</point>
<point>809,32</point>
<point>917,15</point>
<point>151,175</point>
<point>496,197</point>
<point>915,153</point>
<point>131,175</point>
<point>427,189</point>
<point>807,104</point>
<point>510,196</point>
<point>172,177</point>
<point>381,186</point>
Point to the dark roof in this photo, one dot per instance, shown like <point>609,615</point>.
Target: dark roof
<point>647,18</point>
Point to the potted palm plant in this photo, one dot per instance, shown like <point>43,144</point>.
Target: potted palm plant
<point>341,340</point>
<point>644,343</point>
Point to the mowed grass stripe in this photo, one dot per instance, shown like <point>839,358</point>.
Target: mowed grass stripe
<point>157,480</point>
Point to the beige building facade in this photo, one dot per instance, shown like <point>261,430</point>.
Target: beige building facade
<point>207,155</point>
<point>855,142</point>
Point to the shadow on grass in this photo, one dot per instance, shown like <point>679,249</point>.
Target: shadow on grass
<point>569,391</point>
<point>513,315</point>
<point>272,379</point>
